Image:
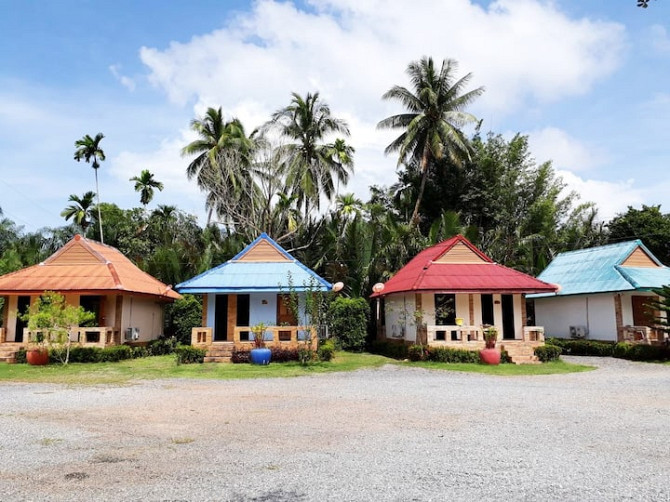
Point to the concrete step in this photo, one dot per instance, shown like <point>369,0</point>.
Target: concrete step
<point>217,359</point>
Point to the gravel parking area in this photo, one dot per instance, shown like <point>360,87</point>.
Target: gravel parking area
<point>387,434</point>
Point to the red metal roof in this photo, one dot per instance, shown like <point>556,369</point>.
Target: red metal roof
<point>85,266</point>
<point>433,269</point>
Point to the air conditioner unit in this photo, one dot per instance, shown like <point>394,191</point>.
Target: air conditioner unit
<point>578,331</point>
<point>132,334</point>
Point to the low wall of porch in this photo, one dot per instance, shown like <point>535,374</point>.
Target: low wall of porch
<point>275,336</point>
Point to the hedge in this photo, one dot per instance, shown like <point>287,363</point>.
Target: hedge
<point>546,353</point>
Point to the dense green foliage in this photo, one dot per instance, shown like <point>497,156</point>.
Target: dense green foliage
<point>622,350</point>
<point>583,347</point>
<point>185,354</point>
<point>547,353</point>
<point>348,321</point>
<point>442,354</point>
<point>647,224</point>
<point>183,315</point>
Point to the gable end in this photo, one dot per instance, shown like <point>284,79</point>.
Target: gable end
<point>639,258</point>
<point>460,253</point>
<point>75,255</point>
<point>263,251</point>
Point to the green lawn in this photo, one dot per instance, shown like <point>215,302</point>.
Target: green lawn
<point>125,372</point>
<point>551,368</point>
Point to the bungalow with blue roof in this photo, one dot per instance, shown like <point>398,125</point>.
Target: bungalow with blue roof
<point>253,288</point>
<point>604,293</point>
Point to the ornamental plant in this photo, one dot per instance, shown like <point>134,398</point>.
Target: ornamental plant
<point>490,336</point>
<point>52,319</point>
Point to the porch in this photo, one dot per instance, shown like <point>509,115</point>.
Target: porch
<point>289,337</point>
<point>102,336</point>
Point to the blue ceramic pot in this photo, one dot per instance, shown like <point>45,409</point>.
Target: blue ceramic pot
<point>260,356</point>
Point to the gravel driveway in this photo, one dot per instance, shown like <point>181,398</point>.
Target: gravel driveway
<point>386,434</point>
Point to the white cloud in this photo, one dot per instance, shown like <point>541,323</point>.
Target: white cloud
<point>563,150</point>
<point>126,82</point>
<point>610,197</point>
<point>660,40</point>
<point>352,52</point>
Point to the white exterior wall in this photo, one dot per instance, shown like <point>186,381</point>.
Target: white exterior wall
<point>145,314</point>
<point>596,312</point>
<point>260,312</point>
<point>400,314</point>
<point>497,313</point>
<point>518,318</point>
<point>477,321</point>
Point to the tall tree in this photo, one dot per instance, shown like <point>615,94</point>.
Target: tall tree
<point>312,164</point>
<point>88,148</point>
<point>433,120</point>
<point>218,141</point>
<point>80,210</point>
<point>145,184</point>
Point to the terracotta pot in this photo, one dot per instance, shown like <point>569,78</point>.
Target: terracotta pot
<point>37,357</point>
<point>489,356</point>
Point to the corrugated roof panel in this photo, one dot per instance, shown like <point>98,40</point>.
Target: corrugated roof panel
<point>598,270</point>
<point>423,274</point>
<point>247,277</point>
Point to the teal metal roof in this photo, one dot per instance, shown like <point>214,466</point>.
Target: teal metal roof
<point>249,277</point>
<point>599,270</point>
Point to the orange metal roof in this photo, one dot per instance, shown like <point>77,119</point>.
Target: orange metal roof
<point>85,266</point>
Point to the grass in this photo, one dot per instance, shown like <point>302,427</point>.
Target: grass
<point>125,372</point>
<point>552,368</point>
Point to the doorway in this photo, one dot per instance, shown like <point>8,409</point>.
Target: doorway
<point>221,318</point>
<point>445,314</point>
<point>643,315</point>
<point>22,305</point>
<point>508,317</point>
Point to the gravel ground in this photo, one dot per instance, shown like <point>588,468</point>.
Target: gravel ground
<point>387,434</point>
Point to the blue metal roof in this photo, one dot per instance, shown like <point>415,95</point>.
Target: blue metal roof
<point>599,270</point>
<point>250,277</point>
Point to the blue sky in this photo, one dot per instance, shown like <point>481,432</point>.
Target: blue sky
<point>588,81</point>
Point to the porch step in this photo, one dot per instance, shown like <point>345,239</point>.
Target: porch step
<point>217,359</point>
<point>8,352</point>
<point>521,353</point>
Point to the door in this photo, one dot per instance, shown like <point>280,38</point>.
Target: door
<point>23,303</point>
<point>92,303</point>
<point>243,315</point>
<point>642,315</point>
<point>221,318</point>
<point>285,314</point>
<point>487,310</point>
<point>508,317</point>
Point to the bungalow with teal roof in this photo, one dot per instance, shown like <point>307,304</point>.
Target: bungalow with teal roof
<point>253,288</point>
<point>604,293</point>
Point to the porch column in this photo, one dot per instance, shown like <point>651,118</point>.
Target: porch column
<point>421,333</point>
<point>471,308</point>
<point>524,321</point>
<point>204,310</point>
<point>619,317</point>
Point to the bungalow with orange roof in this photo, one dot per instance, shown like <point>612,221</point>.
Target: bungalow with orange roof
<point>127,303</point>
<point>449,292</point>
<point>251,289</point>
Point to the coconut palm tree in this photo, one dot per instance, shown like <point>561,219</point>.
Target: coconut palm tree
<point>311,163</point>
<point>88,148</point>
<point>212,168</point>
<point>431,126</point>
<point>145,184</point>
<point>80,211</point>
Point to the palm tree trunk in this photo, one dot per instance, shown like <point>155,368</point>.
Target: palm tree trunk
<point>97,191</point>
<point>424,175</point>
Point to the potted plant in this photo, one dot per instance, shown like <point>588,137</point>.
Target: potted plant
<point>489,355</point>
<point>260,354</point>
<point>50,318</point>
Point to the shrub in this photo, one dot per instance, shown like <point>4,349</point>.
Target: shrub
<point>394,350</point>
<point>548,353</point>
<point>21,356</point>
<point>183,315</point>
<point>140,351</point>
<point>163,346</point>
<point>306,355</point>
<point>185,354</point>
<point>85,354</point>
<point>326,351</point>
<point>416,352</point>
<point>240,356</point>
<point>449,355</point>
<point>282,355</point>
<point>641,352</point>
<point>115,353</point>
<point>596,348</point>
<point>348,320</point>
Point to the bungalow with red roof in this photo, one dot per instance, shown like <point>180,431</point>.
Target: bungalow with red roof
<point>446,295</point>
<point>127,303</point>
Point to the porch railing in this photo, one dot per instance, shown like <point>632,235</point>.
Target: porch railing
<point>642,334</point>
<point>98,336</point>
<point>454,333</point>
<point>533,333</point>
<point>243,335</point>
